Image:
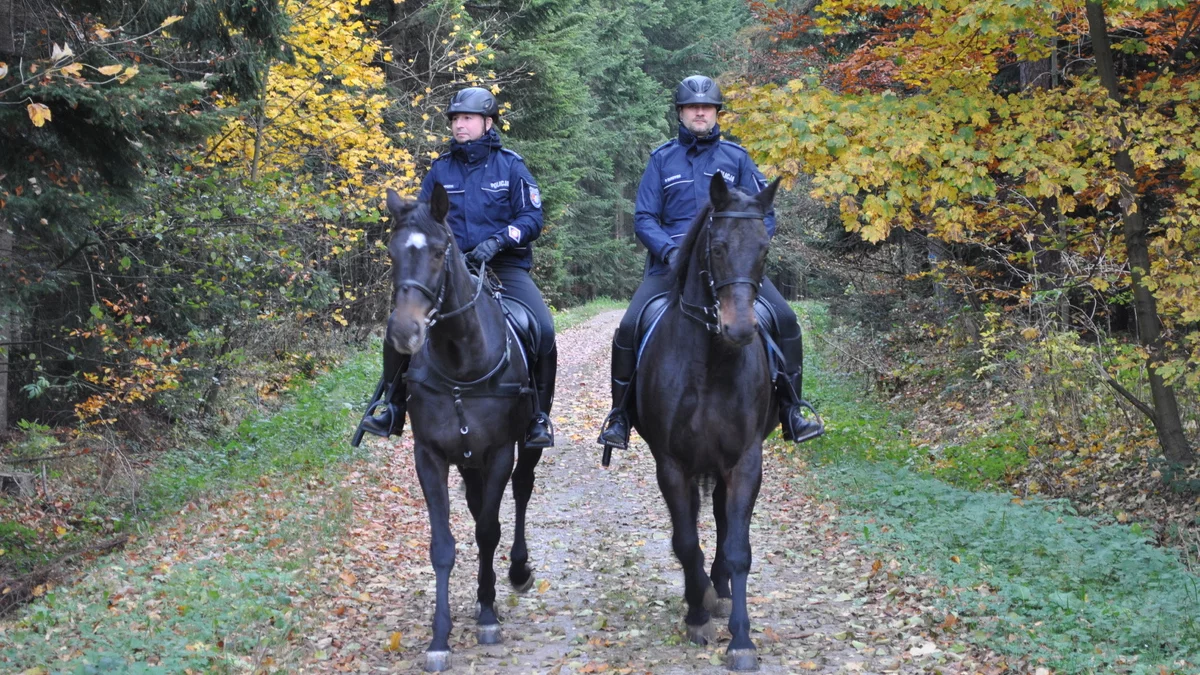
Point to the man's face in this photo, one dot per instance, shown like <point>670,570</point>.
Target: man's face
<point>469,126</point>
<point>698,118</point>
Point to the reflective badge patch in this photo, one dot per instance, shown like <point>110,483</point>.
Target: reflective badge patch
<point>535,197</point>
<point>514,234</point>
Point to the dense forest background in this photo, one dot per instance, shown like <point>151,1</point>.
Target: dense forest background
<point>188,191</point>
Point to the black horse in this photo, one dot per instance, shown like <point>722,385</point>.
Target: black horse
<point>469,402</point>
<point>705,402</point>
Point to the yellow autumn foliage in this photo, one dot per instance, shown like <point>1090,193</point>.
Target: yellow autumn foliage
<point>320,120</point>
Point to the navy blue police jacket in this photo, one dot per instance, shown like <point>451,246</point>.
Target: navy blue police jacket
<point>675,186</point>
<point>492,194</point>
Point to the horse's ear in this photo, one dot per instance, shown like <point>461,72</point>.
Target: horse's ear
<point>399,208</point>
<point>394,203</point>
<point>718,192</point>
<point>767,196</point>
<point>439,205</point>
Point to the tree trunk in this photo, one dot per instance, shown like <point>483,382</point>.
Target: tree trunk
<point>1166,409</point>
<point>6,319</point>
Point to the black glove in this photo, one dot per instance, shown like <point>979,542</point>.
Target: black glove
<point>486,250</point>
<point>670,255</point>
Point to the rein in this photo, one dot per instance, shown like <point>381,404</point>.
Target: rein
<point>709,315</point>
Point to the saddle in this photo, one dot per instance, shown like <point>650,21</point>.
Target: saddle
<point>768,327</point>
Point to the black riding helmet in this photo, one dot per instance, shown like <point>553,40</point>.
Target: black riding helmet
<point>698,89</point>
<point>474,100</point>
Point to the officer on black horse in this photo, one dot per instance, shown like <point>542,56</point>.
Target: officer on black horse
<point>495,214</point>
<point>674,187</point>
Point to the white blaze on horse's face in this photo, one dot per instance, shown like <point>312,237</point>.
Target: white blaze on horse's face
<point>415,240</point>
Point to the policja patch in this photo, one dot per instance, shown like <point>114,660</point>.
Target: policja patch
<point>535,197</point>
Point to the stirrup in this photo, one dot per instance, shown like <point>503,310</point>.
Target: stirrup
<point>807,429</point>
<point>379,424</point>
<point>616,417</point>
<point>541,419</point>
<point>610,436</point>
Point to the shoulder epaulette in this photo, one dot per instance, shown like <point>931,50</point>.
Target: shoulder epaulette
<point>513,153</point>
<point>725,142</point>
<point>655,151</point>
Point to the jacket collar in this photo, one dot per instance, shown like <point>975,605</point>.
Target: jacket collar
<point>689,140</point>
<point>477,150</point>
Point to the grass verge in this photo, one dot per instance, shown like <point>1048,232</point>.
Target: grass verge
<point>223,588</point>
<point>1028,578</point>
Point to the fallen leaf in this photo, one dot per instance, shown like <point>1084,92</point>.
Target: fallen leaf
<point>393,644</point>
<point>543,585</point>
<point>128,74</point>
<point>924,650</point>
<point>170,20</point>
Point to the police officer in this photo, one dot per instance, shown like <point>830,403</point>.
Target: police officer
<point>674,187</point>
<point>495,214</point>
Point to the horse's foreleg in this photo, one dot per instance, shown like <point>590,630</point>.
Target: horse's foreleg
<point>742,485</point>
<point>520,574</point>
<point>718,600</point>
<point>473,488</point>
<point>487,537</point>
<point>432,470</point>
<point>681,496</point>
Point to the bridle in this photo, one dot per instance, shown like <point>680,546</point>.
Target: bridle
<point>709,315</point>
<point>435,311</point>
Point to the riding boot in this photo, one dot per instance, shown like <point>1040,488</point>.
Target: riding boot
<point>385,412</point>
<point>541,431</point>
<point>789,385</point>
<point>615,433</point>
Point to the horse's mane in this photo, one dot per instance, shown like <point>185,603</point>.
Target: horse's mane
<point>684,256</point>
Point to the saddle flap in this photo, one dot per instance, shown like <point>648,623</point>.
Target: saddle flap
<point>523,323</point>
<point>651,311</point>
<point>766,316</point>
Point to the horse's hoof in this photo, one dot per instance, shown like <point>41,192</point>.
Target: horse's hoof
<point>528,584</point>
<point>743,660</point>
<point>489,635</point>
<point>436,662</point>
<point>718,607</point>
<point>702,635</point>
